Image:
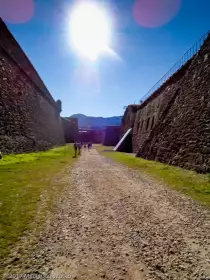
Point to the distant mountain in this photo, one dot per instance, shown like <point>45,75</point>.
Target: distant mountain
<point>96,122</point>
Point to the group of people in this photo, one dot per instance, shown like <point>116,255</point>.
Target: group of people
<point>78,146</point>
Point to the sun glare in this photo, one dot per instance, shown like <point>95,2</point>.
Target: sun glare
<point>90,30</point>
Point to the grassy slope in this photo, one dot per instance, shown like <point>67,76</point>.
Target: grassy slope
<point>197,186</point>
<point>24,180</point>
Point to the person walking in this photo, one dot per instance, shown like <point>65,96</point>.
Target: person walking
<point>75,149</point>
<point>79,148</point>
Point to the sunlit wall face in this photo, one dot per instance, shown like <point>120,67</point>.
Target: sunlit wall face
<point>89,29</point>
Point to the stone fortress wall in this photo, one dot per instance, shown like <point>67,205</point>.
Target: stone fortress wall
<point>29,116</point>
<point>71,131</point>
<point>149,112</point>
<point>173,124</point>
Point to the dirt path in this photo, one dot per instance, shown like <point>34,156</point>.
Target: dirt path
<point>115,223</point>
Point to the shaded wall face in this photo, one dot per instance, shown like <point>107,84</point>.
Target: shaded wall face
<point>111,136</point>
<point>128,119</point>
<point>126,145</point>
<point>85,137</point>
<point>98,136</point>
<point>94,136</point>
<point>71,132</point>
<point>28,120</point>
<point>182,137</point>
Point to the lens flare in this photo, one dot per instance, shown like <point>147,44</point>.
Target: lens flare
<point>154,13</point>
<point>16,11</point>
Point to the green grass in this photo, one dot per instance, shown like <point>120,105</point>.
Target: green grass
<point>28,190</point>
<point>195,185</point>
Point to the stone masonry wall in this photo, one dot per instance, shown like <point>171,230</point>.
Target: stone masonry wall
<point>128,119</point>
<point>29,116</point>
<point>182,136</point>
<point>127,122</point>
<point>149,112</point>
<point>71,131</point>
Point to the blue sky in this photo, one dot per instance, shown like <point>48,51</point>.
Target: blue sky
<point>104,87</point>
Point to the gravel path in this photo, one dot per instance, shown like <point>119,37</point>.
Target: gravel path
<point>115,223</point>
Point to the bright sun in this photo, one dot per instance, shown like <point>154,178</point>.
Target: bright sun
<point>90,30</point>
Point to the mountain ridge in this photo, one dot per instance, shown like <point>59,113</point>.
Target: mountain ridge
<point>96,122</point>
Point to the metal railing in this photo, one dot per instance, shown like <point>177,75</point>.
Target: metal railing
<point>183,60</point>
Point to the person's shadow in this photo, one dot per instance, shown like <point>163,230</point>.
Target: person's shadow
<point>74,156</point>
